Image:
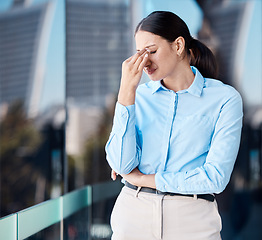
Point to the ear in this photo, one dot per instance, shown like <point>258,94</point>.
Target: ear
<point>179,45</point>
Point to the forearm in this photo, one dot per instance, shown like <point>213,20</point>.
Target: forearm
<point>139,179</point>
<point>132,69</point>
<point>126,96</point>
<point>148,181</point>
<point>212,177</point>
<point>122,150</point>
<point>122,154</point>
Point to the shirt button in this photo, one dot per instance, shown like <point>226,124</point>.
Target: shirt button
<point>178,188</point>
<point>165,186</point>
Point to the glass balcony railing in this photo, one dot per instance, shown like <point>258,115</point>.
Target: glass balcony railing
<point>74,215</point>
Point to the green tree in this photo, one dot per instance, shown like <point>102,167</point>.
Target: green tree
<point>18,140</point>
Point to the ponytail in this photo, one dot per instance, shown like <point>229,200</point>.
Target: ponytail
<point>203,59</point>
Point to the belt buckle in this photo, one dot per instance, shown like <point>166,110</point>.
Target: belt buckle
<point>159,192</point>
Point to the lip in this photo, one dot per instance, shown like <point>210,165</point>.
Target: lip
<point>150,71</point>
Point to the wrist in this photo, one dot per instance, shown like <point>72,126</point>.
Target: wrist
<point>126,96</point>
<point>148,181</point>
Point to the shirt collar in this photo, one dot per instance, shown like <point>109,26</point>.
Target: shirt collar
<point>157,85</point>
<point>195,88</point>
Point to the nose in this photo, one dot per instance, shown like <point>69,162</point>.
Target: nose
<point>148,63</point>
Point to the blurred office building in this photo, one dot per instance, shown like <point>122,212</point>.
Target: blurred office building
<point>31,141</point>
<point>24,34</point>
<point>225,29</point>
<point>98,39</point>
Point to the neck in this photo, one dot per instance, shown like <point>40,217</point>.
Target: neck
<point>181,79</point>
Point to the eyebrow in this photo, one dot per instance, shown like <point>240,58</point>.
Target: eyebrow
<point>147,47</point>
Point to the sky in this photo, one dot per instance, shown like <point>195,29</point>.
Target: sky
<point>252,74</point>
<point>54,85</point>
<point>188,10</point>
<point>54,80</point>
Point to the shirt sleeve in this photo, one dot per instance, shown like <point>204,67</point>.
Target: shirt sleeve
<point>214,174</point>
<point>122,151</point>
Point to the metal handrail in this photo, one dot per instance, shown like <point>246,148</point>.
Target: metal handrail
<point>29,221</point>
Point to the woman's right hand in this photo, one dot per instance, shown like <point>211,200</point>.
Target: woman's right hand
<point>113,175</point>
<point>132,69</point>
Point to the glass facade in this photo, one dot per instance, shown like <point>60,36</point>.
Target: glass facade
<point>76,226</point>
<point>60,69</point>
<point>97,41</point>
<point>52,232</point>
<point>230,27</point>
<point>32,134</point>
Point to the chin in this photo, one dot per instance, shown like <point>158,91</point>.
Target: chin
<point>154,78</point>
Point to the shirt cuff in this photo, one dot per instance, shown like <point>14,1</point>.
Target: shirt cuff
<point>124,119</point>
<point>170,182</point>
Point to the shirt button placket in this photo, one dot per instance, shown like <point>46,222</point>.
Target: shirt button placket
<point>168,127</point>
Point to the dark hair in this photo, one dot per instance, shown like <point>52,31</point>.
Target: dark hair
<point>169,26</point>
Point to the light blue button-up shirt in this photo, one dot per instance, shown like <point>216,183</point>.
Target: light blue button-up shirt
<point>189,139</point>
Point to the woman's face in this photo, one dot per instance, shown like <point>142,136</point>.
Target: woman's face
<point>162,58</point>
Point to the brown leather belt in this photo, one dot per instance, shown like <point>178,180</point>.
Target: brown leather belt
<point>208,197</point>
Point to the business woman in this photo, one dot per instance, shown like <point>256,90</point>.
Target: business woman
<point>174,139</point>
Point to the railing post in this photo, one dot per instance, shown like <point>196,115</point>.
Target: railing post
<point>8,228</point>
<point>62,218</point>
<point>89,204</point>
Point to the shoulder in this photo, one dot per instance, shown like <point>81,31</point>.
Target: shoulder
<point>145,87</point>
<point>144,94</point>
<point>219,88</point>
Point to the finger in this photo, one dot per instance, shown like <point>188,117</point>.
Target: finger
<point>113,175</point>
<point>133,58</point>
<point>137,55</point>
<point>143,63</point>
<point>129,59</point>
<point>139,61</point>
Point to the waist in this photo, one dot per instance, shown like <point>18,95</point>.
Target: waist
<point>208,197</point>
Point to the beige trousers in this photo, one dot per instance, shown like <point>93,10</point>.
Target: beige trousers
<point>146,216</point>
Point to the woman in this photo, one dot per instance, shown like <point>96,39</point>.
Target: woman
<point>174,139</point>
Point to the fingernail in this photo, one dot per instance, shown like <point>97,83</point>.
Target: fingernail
<point>146,55</point>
